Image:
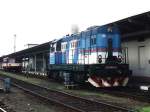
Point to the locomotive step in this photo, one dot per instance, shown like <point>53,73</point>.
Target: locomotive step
<point>145,87</point>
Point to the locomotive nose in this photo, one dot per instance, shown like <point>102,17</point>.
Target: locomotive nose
<point>98,81</point>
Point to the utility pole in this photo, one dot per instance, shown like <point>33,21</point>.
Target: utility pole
<point>14,43</point>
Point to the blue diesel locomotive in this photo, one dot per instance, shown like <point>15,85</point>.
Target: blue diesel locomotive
<point>92,56</point>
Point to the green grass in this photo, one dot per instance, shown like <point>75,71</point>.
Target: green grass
<point>87,93</point>
<point>144,109</point>
<point>51,85</point>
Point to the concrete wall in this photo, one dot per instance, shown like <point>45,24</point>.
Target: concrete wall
<point>138,56</point>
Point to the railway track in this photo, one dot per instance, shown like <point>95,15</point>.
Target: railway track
<point>44,77</point>
<point>74,103</point>
<point>132,93</point>
<point>4,108</point>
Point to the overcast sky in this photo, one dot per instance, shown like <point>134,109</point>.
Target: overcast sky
<point>39,21</point>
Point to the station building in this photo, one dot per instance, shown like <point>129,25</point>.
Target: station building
<point>34,60</point>
<point>136,44</point>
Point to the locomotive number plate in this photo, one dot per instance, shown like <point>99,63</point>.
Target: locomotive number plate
<point>111,67</point>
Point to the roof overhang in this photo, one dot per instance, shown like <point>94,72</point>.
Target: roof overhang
<point>135,26</point>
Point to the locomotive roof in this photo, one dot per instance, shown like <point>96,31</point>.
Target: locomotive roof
<point>71,37</point>
<point>90,31</point>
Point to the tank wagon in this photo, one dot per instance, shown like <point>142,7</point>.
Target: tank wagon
<point>93,55</point>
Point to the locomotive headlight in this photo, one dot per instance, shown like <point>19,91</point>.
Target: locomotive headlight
<point>119,58</point>
<point>100,58</point>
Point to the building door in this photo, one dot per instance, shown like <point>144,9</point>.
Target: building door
<point>141,57</point>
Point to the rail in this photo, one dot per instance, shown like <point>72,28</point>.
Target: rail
<point>2,110</point>
<point>127,92</point>
<point>72,102</point>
